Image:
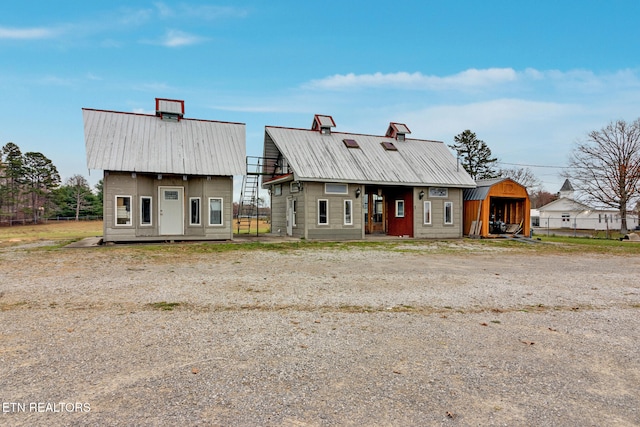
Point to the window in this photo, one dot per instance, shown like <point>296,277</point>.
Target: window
<point>215,211</point>
<point>351,143</point>
<point>389,146</point>
<point>348,212</point>
<point>438,192</point>
<point>399,208</point>
<point>336,189</point>
<point>194,211</point>
<point>171,195</point>
<point>123,210</point>
<point>427,213</point>
<point>294,206</point>
<point>323,212</point>
<point>448,212</point>
<point>145,210</point>
<point>277,190</point>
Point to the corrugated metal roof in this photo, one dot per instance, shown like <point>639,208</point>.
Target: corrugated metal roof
<point>321,157</point>
<point>478,193</point>
<point>483,188</point>
<point>143,143</point>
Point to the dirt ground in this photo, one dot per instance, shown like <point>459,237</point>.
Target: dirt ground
<point>423,333</point>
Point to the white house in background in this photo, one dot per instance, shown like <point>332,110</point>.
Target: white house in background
<point>566,212</point>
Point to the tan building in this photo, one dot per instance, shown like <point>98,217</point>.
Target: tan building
<point>335,185</point>
<point>166,177</point>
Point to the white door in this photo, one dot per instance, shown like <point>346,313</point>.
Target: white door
<point>290,215</point>
<point>171,211</point>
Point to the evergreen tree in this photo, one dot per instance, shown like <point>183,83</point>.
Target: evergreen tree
<point>475,155</point>
<point>41,178</point>
<point>12,179</point>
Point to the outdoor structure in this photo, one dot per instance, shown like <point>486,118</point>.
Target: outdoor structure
<point>568,213</point>
<point>496,206</point>
<point>335,185</point>
<point>166,177</point>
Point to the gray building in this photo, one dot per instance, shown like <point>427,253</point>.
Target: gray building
<point>166,177</point>
<point>334,185</point>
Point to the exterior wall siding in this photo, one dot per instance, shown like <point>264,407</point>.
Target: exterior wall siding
<point>307,213</point>
<point>336,228</point>
<point>147,185</point>
<point>438,229</point>
<point>279,210</point>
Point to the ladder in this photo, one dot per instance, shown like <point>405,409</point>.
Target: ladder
<point>249,198</point>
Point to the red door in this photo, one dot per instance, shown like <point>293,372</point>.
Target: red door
<point>400,212</point>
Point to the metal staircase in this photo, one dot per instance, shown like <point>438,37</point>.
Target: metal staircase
<point>249,197</point>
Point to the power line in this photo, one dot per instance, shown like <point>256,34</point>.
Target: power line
<point>534,166</point>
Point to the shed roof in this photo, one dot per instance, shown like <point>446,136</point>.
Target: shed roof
<point>314,156</point>
<point>118,141</point>
<point>483,188</point>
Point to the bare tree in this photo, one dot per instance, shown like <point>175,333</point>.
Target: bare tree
<point>524,177</point>
<point>605,167</point>
<point>541,197</point>
<point>80,190</point>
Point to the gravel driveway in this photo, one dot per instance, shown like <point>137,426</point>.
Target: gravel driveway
<point>423,333</point>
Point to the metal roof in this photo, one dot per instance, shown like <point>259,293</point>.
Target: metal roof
<point>131,142</point>
<point>314,156</point>
<point>483,188</point>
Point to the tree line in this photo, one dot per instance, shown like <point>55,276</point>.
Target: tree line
<point>31,190</point>
<point>476,158</point>
<point>604,168</point>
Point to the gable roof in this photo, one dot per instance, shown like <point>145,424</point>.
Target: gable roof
<point>314,156</point>
<point>117,141</point>
<point>482,189</point>
<point>565,204</point>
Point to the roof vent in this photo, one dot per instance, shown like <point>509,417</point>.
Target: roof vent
<point>323,124</point>
<point>169,109</point>
<point>397,131</point>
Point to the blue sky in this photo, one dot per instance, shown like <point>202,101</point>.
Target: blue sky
<point>529,78</point>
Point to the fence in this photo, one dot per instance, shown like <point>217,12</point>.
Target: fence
<point>28,221</point>
<point>577,225</point>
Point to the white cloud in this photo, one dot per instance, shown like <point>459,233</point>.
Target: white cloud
<point>176,38</point>
<point>474,80</point>
<point>202,12</point>
<point>27,33</point>
<point>471,78</point>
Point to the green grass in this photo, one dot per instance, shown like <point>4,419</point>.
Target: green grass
<point>164,306</point>
<point>592,245</point>
<point>58,234</point>
<point>58,231</point>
